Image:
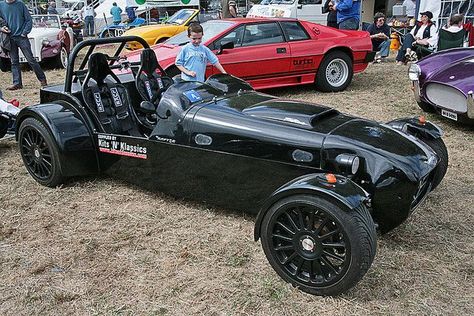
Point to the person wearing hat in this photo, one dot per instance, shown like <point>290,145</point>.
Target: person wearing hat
<point>380,35</point>
<point>423,35</point>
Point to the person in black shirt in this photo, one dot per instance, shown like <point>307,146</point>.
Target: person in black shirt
<point>332,14</point>
<point>380,35</point>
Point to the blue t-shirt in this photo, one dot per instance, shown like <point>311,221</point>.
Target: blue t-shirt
<point>17,17</point>
<point>116,13</point>
<point>195,58</point>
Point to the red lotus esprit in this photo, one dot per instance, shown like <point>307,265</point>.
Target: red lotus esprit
<point>271,53</point>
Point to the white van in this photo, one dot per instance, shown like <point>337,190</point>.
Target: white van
<point>309,10</point>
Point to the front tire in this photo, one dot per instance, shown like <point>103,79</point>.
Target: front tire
<point>425,107</point>
<point>440,149</point>
<point>40,153</point>
<point>335,72</point>
<point>317,246</point>
<point>62,58</point>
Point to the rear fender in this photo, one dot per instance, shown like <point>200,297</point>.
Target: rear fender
<point>73,136</point>
<point>345,193</point>
<point>414,127</point>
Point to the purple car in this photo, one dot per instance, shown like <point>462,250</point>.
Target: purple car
<point>444,83</point>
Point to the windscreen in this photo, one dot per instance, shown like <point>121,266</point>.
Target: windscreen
<point>210,28</point>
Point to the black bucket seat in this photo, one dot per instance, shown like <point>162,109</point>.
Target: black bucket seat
<point>109,100</point>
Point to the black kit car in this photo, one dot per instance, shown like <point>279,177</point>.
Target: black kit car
<point>319,182</point>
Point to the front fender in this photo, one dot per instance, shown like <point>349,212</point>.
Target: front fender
<point>415,126</point>
<point>51,50</point>
<point>344,193</point>
<point>73,138</point>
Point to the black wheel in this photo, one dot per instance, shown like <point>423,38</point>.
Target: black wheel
<point>425,107</point>
<point>317,246</point>
<point>440,149</point>
<point>62,58</point>
<point>39,152</point>
<point>335,72</point>
<point>3,126</point>
<point>5,64</point>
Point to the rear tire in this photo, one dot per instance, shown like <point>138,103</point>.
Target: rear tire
<point>335,72</point>
<point>440,149</point>
<point>317,246</point>
<point>39,152</point>
<point>5,64</point>
<point>3,126</point>
<point>425,107</point>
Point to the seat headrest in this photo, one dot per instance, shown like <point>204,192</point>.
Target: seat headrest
<point>149,61</point>
<point>98,67</point>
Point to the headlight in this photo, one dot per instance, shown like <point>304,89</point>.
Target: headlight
<point>349,163</point>
<point>45,42</point>
<point>414,72</point>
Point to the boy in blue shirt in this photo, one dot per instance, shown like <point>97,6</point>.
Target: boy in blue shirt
<point>193,57</point>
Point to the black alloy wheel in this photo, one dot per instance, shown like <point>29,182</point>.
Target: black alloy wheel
<point>317,246</point>
<point>39,153</point>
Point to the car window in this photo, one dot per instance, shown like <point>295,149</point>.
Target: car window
<point>294,31</point>
<point>263,33</point>
<point>211,29</point>
<point>234,36</point>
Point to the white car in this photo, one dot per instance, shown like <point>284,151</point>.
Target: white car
<point>49,40</point>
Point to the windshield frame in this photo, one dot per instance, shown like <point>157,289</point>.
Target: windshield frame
<point>176,18</point>
<point>55,21</point>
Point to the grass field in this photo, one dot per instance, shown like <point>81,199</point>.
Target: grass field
<point>97,246</point>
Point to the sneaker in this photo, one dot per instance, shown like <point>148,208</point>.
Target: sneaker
<point>413,56</point>
<point>15,87</point>
<point>43,83</point>
<point>399,63</point>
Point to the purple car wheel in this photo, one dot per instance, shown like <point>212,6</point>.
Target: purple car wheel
<point>39,152</point>
<point>317,246</point>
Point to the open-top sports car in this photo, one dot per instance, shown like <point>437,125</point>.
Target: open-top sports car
<point>444,83</point>
<point>270,53</point>
<point>319,181</point>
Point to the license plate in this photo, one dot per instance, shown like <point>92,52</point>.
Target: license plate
<point>449,115</point>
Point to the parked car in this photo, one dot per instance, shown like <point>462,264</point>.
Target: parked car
<point>8,113</point>
<point>444,83</point>
<point>319,181</point>
<point>158,33</point>
<point>50,42</point>
<point>118,29</point>
<point>270,53</point>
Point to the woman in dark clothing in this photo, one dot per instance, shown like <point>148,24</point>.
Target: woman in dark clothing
<point>332,14</point>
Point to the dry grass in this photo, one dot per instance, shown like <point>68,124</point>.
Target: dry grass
<point>99,246</point>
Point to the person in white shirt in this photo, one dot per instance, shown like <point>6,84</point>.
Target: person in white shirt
<point>88,15</point>
<point>455,23</point>
<point>423,34</point>
<point>410,7</point>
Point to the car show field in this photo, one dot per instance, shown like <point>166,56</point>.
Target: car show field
<point>96,245</point>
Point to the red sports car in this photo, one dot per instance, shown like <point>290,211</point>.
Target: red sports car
<point>271,53</point>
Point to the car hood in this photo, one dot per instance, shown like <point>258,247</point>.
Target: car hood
<point>434,63</point>
<point>151,29</point>
<point>458,74</point>
<point>370,140</point>
<point>42,32</point>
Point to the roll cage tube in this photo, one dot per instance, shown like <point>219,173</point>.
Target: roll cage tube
<point>345,193</point>
<point>92,44</point>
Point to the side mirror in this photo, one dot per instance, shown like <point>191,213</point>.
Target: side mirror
<point>147,107</point>
<point>226,45</point>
